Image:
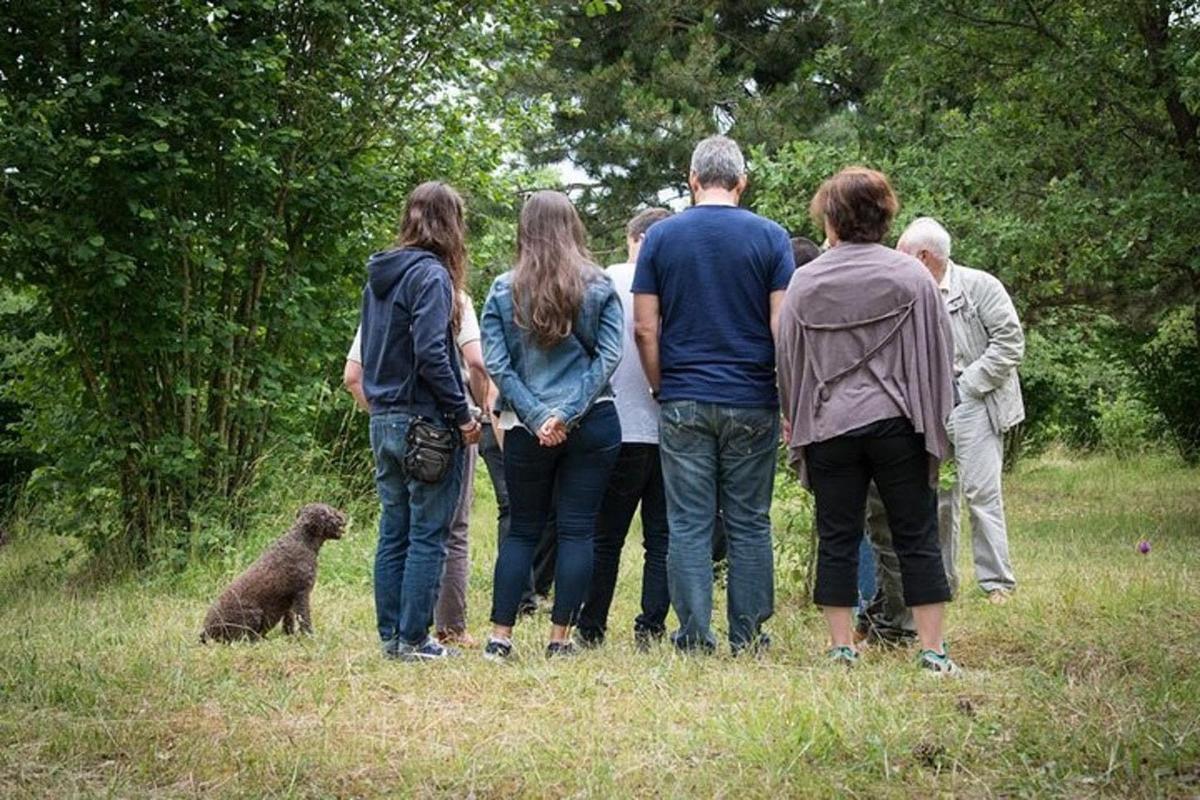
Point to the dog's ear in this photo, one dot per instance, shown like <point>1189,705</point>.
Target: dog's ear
<point>308,516</point>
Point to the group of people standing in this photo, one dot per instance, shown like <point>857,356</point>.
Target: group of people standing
<point>658,384</point>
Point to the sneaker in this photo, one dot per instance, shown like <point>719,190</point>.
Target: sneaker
<point>563,649</point>
<point>498,650</point>
<point>457,639</point>
<point>429,650</point>
<point>999,597</point>
<point>940,664</point>
<point>843,656</point>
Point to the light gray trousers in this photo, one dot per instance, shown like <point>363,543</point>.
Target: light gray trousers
<point>979,457</point>
<point>450,613</point>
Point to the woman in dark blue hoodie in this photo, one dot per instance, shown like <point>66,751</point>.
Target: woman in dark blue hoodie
<point>410,313</point>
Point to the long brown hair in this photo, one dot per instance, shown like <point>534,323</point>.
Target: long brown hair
<point>553,267</point>
<point>435,220</point>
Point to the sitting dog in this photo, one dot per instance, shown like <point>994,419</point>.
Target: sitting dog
<point>277,586</point>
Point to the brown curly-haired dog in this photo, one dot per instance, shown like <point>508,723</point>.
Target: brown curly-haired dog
<point>278,585</point>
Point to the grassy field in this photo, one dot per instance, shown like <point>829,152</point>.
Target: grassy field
<point>1087,684</point>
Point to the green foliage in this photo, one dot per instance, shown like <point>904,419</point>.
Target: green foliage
<point>1125,425</point>
<point>634,88</point>
<point>1059,146</point>
<point>1073,360</point>
<point>190,190</point>
<point>1170,370</point>
<point>795,532</point>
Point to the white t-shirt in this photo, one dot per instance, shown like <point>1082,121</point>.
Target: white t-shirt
<point>468,332</point>
<point>636,408</point>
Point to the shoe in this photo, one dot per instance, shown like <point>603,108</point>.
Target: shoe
<point>940,664</point>
<point>563,649</point>
<point>999,597</point>
<point>842,655</point>
<point>690,646</point>
<point>589,638</point>
<point>531,604</point>
<point>457,638</point>
<point>646,638</point>
<point>429,650</point>
<point>758,647</point>
<point>498,650</point>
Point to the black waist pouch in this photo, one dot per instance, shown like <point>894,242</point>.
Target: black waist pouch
<point>429,451</point>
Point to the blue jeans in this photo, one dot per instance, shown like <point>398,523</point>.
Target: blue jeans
<point>866,573</point>
<point>719,456</point>
<point>413,527</point>
<point>580,467</point>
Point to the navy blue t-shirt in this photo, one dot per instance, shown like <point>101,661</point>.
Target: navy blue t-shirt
<point>713,269</point>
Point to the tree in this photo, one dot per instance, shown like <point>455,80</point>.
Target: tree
<point>190,188</point>
<point>635,84</point>
<point>1057,141</point>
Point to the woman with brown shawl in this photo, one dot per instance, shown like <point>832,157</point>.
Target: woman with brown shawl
<point>865,374</point>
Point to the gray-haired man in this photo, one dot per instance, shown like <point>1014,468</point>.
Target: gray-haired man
<point>707,289</point>
<point>988,347</point>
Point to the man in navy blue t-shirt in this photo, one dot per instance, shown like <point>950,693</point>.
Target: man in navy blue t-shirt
<point>707,290</point>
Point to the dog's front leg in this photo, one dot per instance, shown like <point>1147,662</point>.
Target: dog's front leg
<point>289,622</point>
<point>303,612</point>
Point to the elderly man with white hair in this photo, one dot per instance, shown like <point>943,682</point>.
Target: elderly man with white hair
<point>988,347</point>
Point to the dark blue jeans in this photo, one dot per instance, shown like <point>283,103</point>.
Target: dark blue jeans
<point>580,467</point>
<point>712,455</point>
<point>413,526</point>
<point>542,580</point>
<point>636,479</point>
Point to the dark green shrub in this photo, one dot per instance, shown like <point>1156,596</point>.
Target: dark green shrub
<point>1170,377</point>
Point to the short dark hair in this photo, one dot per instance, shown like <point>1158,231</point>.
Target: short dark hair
<point>858,203</point>
<point>804,250</point>
<point>641,222</point>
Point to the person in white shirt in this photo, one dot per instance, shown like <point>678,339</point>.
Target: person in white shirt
<point>450,612</point>
<point>637,478</point>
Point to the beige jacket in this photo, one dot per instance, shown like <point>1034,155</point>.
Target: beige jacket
<point>988,343</point>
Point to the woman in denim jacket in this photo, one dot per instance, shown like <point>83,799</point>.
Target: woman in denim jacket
<point>552,336</point>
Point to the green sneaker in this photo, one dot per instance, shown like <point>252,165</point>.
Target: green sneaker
<point>843,656</point>
<point>940,664</point>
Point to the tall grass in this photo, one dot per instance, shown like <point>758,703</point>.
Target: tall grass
<point>1086,684</point>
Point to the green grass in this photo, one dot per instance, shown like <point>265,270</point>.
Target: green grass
<point>1087,684</point>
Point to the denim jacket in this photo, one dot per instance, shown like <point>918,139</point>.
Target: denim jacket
<point>566,380</point>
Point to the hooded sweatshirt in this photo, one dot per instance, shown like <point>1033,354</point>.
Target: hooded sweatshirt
<point>408,355</point>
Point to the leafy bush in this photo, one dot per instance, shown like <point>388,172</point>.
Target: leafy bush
<point>1072,361</point>
<point>1170,371</point>
<point>795,531</point>
<point>190,191</point>
<point>1125,424</point>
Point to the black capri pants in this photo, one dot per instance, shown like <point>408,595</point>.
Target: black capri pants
<point>840,471</point>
